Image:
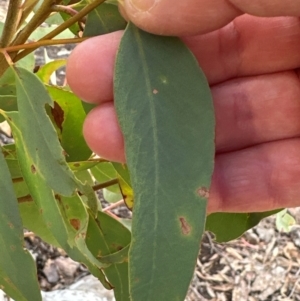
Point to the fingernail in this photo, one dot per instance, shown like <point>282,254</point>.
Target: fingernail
<point>143,5</point>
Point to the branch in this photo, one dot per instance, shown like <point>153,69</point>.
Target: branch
<point>28,198</point>
<point>64,9</point>
<point>34,45</point>
<point>11,22</point>
<point>63,26</point>
<point>39,17</point>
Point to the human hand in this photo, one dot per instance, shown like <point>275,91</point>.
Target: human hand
<point>251,64</point>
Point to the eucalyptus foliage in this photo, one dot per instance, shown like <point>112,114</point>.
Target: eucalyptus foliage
<point>165,111</point>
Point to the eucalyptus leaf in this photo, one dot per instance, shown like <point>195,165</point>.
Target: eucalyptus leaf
<point>19,283</point>
<point>41,146</point>
<point>229,226</point>
<point>166,114</point>
<point>106,237</point>
<point>69,116</point>
<point>103,19</point>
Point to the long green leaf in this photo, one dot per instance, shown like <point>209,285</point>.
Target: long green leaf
<point>228,226</point>
<point>40,141</point>
<point>17,269</point>
<point>103,19</point>
<point>166,114</point>
<point>107,237</point>
<point>69,116</point>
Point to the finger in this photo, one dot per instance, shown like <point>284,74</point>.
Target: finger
<point>102,133</point>
<point>192,17</point>
<point>248,111</point>
<point>258,109</point>
<point>91,65</point>
<point>248,46</point>
<point>261,178</point>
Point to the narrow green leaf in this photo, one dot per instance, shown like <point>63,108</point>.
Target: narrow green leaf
<point>38,136</point>
<point>103,19</point>
<point>229,226</point>
<point>47,70</point>
<point>104,172</point>
<point>27,62</point>
<point>166,114</point>
<point>33,220</point>
<point>7,83</point>
<point>69,116</point>
<point>82,165</point>
<point>105,237</point>
<point>8,103</point>
<point>117,257</point>
<point>17,269</point>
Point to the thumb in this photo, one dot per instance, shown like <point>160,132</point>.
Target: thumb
<point>179,17</point>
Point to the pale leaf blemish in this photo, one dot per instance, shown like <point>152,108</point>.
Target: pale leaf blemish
<point>203,192</point>
<point>155,91</point>
<point>185,227</point>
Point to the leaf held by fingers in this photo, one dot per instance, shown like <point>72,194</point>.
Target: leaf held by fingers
<point>165,111</point>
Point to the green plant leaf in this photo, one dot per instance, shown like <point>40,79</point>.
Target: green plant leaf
<point>17,268</point>
<point>125,184</point>
<point>82,165</point>
<point>27,62</point>
<point>8,83</point>
<point>165,111</point>
<point>37,135</point>
<point>104,172</point>
<point>8,103</point>
<point>229,226</point>
<point>46,71</point>
<point>33,220</point>
<point>284,221</point>
<point>117,257</point>
<point>69,116</point>
<point>103,19</point>
<point>106,236</point>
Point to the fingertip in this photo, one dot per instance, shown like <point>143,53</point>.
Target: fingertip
<point>102,133</point>
<point>90,68</point>
<point>180,18</point>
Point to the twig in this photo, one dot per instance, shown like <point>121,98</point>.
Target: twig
<point>11,22</point>
<point>64,9</point>
<point>114,205</point>
<point>34,45</point>
<point>105,184</point>
<point>112,215</point>
<point>63,26</point>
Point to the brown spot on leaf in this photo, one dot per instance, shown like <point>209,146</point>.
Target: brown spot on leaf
<point>58,115</point>
<point>65,154</point>
<point>203,192</point>
<point>75,223</point>
<point>185,227</point>
<point>33,169</point>
<point>13,248</point>
<point>155,91</point>
<point>76,164</point>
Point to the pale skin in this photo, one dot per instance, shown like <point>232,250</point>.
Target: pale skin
<point>250,53</point>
